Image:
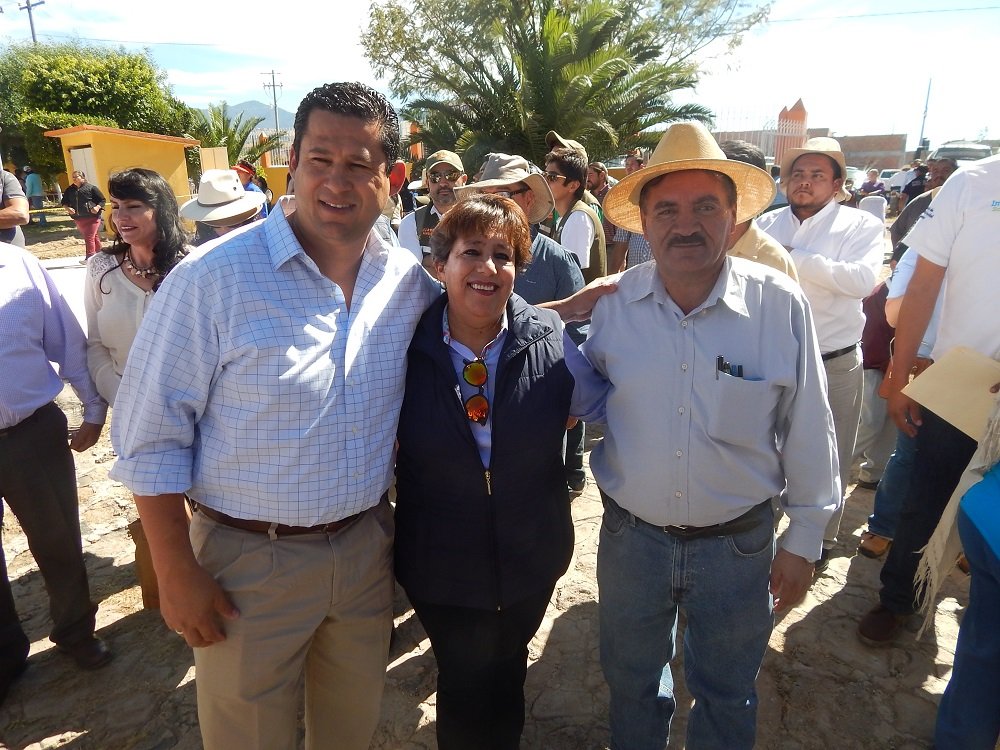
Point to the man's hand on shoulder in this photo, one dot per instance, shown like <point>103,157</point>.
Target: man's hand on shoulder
<point>791,577</point>
<point>580,306</point>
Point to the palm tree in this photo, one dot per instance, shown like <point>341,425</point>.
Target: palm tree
<point>217,128</point>
<point>511,70</point>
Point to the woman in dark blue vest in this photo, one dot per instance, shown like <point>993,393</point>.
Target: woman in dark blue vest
<point>483,526</point>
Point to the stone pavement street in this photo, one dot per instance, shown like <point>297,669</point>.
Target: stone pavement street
<point>819,687</point>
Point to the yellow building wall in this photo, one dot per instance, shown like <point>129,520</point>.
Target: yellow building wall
<point>115,152</point>
<point>277,178</point>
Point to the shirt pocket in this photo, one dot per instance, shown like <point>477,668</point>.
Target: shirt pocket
<point>741,412</point>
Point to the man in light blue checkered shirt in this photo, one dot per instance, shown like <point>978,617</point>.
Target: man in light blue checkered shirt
<point>265,383</point>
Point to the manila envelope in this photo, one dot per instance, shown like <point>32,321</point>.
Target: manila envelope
<point>957,389</point>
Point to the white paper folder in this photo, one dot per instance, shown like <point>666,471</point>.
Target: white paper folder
<point>957,389</point>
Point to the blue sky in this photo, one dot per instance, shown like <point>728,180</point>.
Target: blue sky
<point>860,68</point>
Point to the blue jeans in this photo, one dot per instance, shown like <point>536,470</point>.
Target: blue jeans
<point>644,575</point>
<point>969,714</point>
<point>943,452</point>
<point>36,204</point>
<point>895,485</point>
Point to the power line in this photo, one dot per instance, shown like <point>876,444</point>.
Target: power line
<point>883,15</point>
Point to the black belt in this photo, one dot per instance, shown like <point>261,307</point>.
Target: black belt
<point>739,525</point>
<point>8,431</point>
<point>838,352</point>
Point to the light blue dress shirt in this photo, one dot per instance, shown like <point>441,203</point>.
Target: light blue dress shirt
<point>687,445</point>
<point>37,328</point>
<point>253,387</point>
<point>460,354</point>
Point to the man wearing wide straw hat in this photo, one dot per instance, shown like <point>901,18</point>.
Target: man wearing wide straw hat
<point>837,252</point>
<point>706,370</point>
<point>553,273</point>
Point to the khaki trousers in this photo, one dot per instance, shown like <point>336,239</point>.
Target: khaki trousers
<point>315,606</point>
<point>845,381</point>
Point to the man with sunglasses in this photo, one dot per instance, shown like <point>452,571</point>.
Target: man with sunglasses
<point>445,172</point>
<point>579,228</point>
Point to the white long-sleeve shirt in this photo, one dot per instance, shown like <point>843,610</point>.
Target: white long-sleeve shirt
<point>837,253</point>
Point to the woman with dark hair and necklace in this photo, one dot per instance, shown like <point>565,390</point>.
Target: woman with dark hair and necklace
<point>149,241</point>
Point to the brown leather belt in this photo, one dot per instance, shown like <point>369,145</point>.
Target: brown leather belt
<point>274,529</point>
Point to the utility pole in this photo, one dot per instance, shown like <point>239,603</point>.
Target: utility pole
<point>927,104</point>
<point>274,86</point>
<point>28,6</point>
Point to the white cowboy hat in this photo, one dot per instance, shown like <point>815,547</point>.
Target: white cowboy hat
<point>222,200</point>
<point>502,170</point>
<point>827,147</point>
<point>685,146</point>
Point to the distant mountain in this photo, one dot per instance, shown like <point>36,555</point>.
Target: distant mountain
<point>259,109</point>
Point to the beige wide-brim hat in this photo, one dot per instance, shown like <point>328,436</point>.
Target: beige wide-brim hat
<point>222,201</point>
<point>687,146</point>
<point>821,145</point>
<point>502,170</point>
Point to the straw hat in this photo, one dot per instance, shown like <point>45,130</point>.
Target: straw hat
<point>822,145</point>
<point>501,170</point>
<point>685,146</point>
<point>222,201</point>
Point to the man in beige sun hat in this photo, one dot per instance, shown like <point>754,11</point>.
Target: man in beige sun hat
<point>706,372</point>
<point>222,203</point>
<point>554,273</point>
<point>837,251</point>
<point>443,172</point>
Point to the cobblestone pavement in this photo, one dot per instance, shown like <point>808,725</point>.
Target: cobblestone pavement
<point>819,687</point>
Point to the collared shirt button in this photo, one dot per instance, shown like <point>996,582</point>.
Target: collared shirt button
<point>684,324</point>
<point>684,366</point>
<point>680,409</point>
<point>679,454</point>
<point>678,494</point>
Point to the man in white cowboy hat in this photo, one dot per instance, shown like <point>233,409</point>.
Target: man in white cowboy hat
<point>838,252</point>
<point>553,273</point>
<point>443,172</point>
<point>706,372</point>
<point>222,203</point>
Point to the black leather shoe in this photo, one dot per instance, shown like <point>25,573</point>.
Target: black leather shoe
<point>92,653</point>
<point>577,484</point>
<point>824,561</point>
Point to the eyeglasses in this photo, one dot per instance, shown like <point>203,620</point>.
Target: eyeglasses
<point>477,408</point>
<point>553,176</point>
<point>451,176</point>
<point>511,193</point>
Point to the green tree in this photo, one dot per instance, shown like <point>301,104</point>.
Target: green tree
<point>217,128</point>
<point>496,75</point>
<point>50,86</point>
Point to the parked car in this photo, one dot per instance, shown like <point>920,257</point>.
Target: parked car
<point>963,152</point>
<point>886,174</point>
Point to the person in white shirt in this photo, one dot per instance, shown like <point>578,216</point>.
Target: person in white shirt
<point>445,172</point>
<point>837,252</point>
<point>579,228</point>
<point>956,240</point>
